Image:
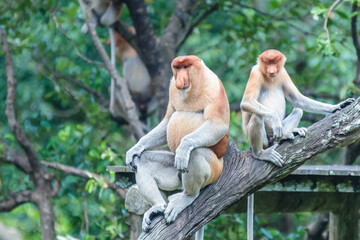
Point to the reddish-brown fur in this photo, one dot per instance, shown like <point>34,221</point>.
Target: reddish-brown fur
<point>270,62</point>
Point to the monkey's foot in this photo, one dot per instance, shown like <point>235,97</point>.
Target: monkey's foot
<point>269,154</point>
<point>151,214</point>
<point>177,203</point>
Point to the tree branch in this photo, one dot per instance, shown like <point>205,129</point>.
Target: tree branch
<point>151,52</point>
<point>10,109</point>
<point>327,18</point>
<point>129,104</point>
<point>243,175</point>
<point>15,200</point>
<point>68,170</point>
<point>275,17</point>
<point>356,42</point>
<point>196,23</point>
<point>13,157</point>
<point>54,19</point>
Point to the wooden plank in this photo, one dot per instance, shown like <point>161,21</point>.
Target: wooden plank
<point>328,170</point>
<point>120,169</point>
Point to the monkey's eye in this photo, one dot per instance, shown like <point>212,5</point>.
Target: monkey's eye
<point>276,62</point>
<point>177,67</point>
<point>186,66</point>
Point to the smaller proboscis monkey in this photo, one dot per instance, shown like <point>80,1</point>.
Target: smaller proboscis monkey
<point>263,106</point>
<point>196,129</point>
<point>137,78</point>
<point>103,12</point>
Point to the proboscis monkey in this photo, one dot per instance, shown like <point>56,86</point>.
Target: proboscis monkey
<point>196,129</point>
<point>263,106</point>
<point>137,78</point>
<point>104,12</point>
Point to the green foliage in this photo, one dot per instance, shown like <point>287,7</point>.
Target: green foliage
<point>66,124</point>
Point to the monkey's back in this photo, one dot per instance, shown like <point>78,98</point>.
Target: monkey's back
<point>181,124</point>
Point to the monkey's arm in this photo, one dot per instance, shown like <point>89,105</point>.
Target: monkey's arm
<point>154,138</point>
<point>250,104</point>
<point>215,127</point>
<point>298,100</point>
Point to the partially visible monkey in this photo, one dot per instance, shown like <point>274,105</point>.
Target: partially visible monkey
<point>263,106</point>
<point>137,78</point>
<point>196,129</point>
<point>104,12</point>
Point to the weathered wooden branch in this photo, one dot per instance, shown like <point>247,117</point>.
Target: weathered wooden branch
<point>243,175</point>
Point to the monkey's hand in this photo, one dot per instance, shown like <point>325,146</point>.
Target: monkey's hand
<point>182,155</point>
<point>296,131</point>
<point>343,104</point>
<point>276,125</point>
<point>133,152</point>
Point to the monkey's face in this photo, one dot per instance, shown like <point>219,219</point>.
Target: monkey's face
<point>182,68</point>
<point>271,62</point>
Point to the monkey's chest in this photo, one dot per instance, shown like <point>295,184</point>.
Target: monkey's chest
<point>181,124</point>
<point>274,99</point>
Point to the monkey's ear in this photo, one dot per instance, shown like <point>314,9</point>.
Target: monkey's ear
<point>108,41</point>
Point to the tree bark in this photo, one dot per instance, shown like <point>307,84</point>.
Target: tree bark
<point>243,175</point>
<point>41,179</point>
<point>151,52</point>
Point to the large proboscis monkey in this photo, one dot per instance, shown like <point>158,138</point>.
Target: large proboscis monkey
<point>263,106</point>
<point>196,129</point>
<point>137,78</point>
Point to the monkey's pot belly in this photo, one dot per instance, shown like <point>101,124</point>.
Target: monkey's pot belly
<point>181,124</point>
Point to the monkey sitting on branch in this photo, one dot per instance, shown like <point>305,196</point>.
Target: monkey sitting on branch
<point>196,129</point>
<point>263,107</point>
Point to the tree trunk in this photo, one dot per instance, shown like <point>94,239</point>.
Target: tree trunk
<point>243,175</point>
<point>46,218</point>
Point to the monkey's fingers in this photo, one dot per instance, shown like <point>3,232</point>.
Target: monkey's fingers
<point>276,158</point>
<point>347,102</point>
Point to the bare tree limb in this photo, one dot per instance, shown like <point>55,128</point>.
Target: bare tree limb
<point>130,106</point>
<point>54,19</point>
<point>178,25</point>
<point>68,170</point>
<point>327,18</point>
<point>276,18</point>
<point>16,200</point>
<point>42,181</point>
<point>243,175</point>
<point>13,157</point>
<point>10,109</point>
<point>195,24</point>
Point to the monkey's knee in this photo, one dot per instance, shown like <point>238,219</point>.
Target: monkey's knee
<point>297,112</point>
<point>202,170</point>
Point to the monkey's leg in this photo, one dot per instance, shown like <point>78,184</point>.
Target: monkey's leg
<point>155,169</point>
<point>110,15</point>
<point>204,168</point>
<point>290,124</point>
<point>257,138</point>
